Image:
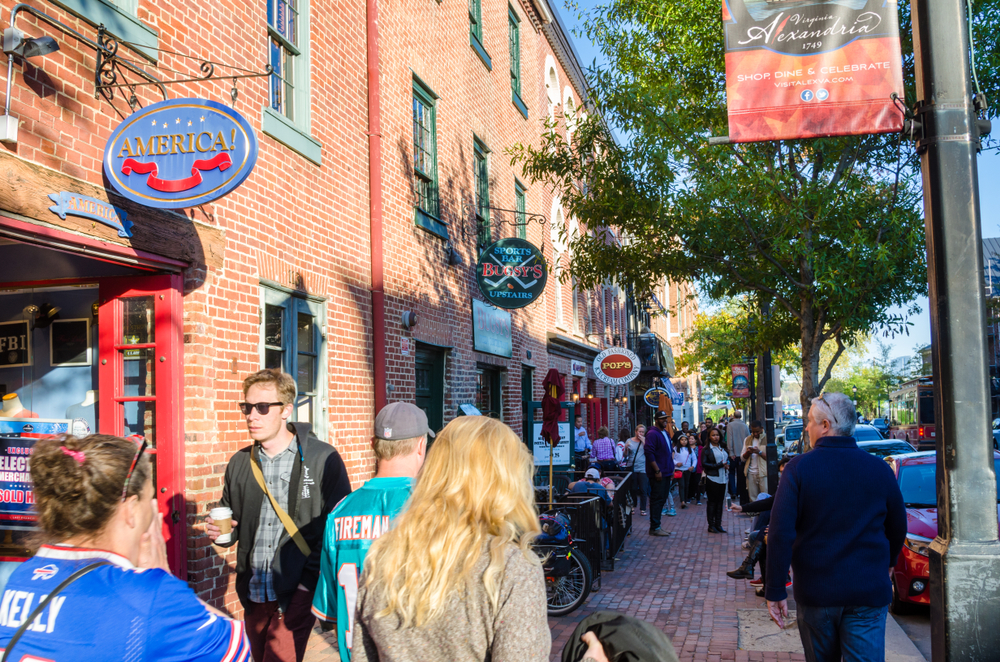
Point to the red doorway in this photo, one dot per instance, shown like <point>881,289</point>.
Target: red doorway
<point>141,382</point>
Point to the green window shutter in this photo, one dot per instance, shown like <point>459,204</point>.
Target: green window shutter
<point>482,183</point>
<point>476,19</point>
<point>520,205</point>
<point>514,35</point>
<point>425,171</point>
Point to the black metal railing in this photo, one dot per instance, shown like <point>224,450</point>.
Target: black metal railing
<point>585,512</point>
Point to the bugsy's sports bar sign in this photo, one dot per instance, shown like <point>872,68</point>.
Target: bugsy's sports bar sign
<point>511,273</point>
<point>180,153</point>
<point>810,68</point>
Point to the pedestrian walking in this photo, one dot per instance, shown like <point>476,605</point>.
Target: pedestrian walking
<point>280,490</point>
<point>684,463</point>
<point>715,463</point>
<point>697,475</point>
<point>685,430</point>
<point>456,579</point>
<point>102,532</point>
<point>400,444</point>
<point>660,469</point>
<point>635,459</point>
<point>841,543</point>
<point>755,457</point>
<point>736,433</point>
<point>603,453</point>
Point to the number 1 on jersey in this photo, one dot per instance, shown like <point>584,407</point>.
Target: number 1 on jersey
<point>347,577</point>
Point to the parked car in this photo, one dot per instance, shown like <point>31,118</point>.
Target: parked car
<point>793,437</point>
<point>886,447</point>
<point>996,434</point>
<point>917,476</point>
<point>882,425</point>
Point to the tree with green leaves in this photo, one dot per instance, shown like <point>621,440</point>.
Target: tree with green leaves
<point>827,232</point>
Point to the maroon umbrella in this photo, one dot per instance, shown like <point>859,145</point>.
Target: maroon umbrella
<point>551,411</point>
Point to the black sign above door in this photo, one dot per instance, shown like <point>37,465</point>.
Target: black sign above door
<point>511,273</point>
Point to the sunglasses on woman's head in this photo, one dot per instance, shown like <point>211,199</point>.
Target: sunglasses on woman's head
<point>135,461</point>
<point>261,407</point>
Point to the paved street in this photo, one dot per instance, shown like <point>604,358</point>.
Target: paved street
<point>678,583</point>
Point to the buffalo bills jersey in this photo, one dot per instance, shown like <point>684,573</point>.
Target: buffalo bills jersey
<point>360,518</point>
<point>114,613</point>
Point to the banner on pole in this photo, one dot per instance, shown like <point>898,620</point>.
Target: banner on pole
<point>811,68</point>
<point>741,380</point>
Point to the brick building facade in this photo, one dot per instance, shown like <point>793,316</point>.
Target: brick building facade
<point>280,272</point>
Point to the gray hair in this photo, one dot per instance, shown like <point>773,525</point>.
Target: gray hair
<point>737,414</point>
<point>839,410</point>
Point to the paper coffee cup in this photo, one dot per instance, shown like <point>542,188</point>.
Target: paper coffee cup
<point>223,518</point>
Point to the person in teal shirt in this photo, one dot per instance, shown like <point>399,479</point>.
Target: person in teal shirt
<point>400,444</point>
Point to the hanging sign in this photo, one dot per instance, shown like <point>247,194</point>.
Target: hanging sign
<point>74,204</point>
<point>616,366</point>
<point>805,69</point>
<point>180,153</point>
<point>652,396</point>
<point>491,331</point>
<point>578,368</point>
<point>511,273</point>
<point>741,380</point>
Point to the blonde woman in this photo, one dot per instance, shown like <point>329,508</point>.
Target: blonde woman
<point>456,578</point>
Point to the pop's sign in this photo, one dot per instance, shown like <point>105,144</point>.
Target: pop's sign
<point>616,366</point>
<point>180,153</point>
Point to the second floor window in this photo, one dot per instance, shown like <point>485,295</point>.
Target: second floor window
<point>425,151</point>
<point>482,181</point>
<point>476,19</point>
<point>514,34</point>
<point>282,28</point>
<point>520,206</point>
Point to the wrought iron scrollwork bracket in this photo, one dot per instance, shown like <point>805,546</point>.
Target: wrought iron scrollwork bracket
<point>494,222</point>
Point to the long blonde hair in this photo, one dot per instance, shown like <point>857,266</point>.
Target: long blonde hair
<point>474,492</point>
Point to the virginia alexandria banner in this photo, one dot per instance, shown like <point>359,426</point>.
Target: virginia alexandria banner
<point>806,69</point>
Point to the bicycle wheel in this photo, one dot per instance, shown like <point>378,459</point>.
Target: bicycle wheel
<point>566,594</point>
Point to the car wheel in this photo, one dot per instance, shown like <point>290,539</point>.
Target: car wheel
<point>899,606</point>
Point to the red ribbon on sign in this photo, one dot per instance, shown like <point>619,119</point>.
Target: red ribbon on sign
<point>220,161</point>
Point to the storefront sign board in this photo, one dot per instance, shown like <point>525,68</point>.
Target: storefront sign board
<point>74,204</point>
<point>741,380</point>
<point>17,439</point>
<point>797,69</point>
<point>511,273</point>
<point>15,344</point>
<point>180,153</point>
<point>560,453</point>
<point>652,396</point>
<point>617,366</point>
<point>491,330</point>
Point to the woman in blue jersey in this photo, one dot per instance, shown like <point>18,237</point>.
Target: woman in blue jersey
<point>95,503</point>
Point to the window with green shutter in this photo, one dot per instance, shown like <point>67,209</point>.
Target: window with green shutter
<point>476,19</point>
<point>425,177</point>
<point>514,34</point>
<point>520,205</point>
<point>482,182</point>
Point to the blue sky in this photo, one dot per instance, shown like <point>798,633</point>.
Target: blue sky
<point>989,192</point>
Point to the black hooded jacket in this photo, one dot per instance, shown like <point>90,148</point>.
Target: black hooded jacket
<point>318,482</point>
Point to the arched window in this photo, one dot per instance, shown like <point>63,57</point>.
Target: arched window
<point>569,112</point>
<point>551,86</point>
<point>558,224</point>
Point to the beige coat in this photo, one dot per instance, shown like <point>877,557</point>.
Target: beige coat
<point>762,458</point>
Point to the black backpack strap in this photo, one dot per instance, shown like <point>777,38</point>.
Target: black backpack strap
<point>45,603</point>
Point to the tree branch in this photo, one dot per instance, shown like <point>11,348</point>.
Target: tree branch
<point>829,366</point>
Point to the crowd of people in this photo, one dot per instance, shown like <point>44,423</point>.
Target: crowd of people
<point>431,559</point>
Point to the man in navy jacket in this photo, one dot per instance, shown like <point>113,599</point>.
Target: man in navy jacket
<point>839,520</point>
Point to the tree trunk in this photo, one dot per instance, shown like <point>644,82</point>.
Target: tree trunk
<point>810,346</point>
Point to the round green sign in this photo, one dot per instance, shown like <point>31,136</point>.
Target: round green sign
<point>511,273</point>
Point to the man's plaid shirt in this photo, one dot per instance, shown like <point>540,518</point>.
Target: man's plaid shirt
<point>278,476</point>
<point>604,449</point>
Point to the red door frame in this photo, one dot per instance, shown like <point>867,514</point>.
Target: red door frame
<point>168,393</point>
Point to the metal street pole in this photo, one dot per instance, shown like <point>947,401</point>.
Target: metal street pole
<point>772,448</point>
<point>965,556</point>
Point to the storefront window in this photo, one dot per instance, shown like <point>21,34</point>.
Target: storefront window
<point>489,399</point>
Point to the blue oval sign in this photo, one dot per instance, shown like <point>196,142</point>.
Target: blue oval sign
<point>180,153</point>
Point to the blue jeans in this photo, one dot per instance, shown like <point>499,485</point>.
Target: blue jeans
<point>856,633</point>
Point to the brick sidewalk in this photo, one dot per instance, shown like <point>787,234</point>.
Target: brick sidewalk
<point>679,583</point>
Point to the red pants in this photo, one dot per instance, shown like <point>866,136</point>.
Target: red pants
<point>277,637</point>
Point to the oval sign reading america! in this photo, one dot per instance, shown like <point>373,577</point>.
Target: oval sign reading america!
<point>616,366</point>
<point>511,273</point>
<point>180,153</point>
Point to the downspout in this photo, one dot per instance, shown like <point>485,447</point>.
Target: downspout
<point>375,208</point>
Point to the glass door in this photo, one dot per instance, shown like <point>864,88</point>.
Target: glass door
<point>141,379</point>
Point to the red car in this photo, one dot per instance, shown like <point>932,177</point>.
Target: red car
<point>916,473</point>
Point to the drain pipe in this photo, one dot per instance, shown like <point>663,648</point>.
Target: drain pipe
<point>375,211</point>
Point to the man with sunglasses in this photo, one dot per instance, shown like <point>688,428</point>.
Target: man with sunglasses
<point>838,519</point>
<point>278,557</point>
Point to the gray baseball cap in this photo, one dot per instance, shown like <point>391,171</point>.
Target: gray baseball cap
<point>401,420</point>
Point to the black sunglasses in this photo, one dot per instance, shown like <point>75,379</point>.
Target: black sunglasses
<point>261,407</point>
<point>135,461</point>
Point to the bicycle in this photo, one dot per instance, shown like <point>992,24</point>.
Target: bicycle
<point>568,575</point>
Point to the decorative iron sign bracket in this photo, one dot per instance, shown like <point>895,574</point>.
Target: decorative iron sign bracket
<point>112,70</point>
<point>485,226</point>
